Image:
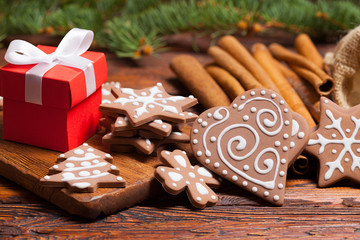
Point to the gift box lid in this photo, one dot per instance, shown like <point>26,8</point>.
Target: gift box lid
<point>62,86</point>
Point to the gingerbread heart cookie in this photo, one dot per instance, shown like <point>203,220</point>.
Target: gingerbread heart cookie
<point>336,143</point>
<point>251,142</point>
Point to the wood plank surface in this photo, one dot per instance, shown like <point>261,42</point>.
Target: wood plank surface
<point>308,212</point>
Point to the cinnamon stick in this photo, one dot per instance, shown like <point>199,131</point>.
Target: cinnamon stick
<point>230,85</point>
<point>195,78</point>
<point>232,46</point>
<point>225,60</point>
<point>305,90</point>
<point>306,47</point>
<point>324,85</point>
<point>265,59</point>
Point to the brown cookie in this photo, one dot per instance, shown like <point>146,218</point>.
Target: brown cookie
<point>107,96</point>
<point>336,143</point>
<point>252,142</point>
<point>145,145</point>
<point>144,105</point>
<point>83,169</point>
<point>1,103</point>
<point>181,175</point>
<point>148,134</point>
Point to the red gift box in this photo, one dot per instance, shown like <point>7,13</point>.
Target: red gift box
<point>66,117</point>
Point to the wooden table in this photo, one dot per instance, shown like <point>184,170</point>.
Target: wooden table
<point>308,212</point>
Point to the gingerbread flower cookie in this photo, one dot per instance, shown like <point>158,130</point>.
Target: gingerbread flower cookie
<point>83,169</point>
<point>144,105</point>
<point>252,142</point>
<point>182,175</point>
<point>336,143</point>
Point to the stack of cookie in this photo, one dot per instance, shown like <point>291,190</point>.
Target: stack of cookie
<point>144,119</point>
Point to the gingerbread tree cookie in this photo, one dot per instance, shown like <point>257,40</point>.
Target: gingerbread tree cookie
<point>182,175</point>
<point>144,105</point>
<point>336,143</point>
<point>84,169</point>
<point>252,142</point>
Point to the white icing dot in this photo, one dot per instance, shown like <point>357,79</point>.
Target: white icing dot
<point>253,109</point>
<point>244,183</point>
<point>62,155</point>
<point>199,120</point>
<point>277,143</point>
<point>177,169</point>
<point>333,151</point>
<point>159,95</point>
<point>286,136</point>
<point>191,96</point>
<point>280,185</point>
<point>276,198</point>
<point>209,115</point>
<point>187,182</point>
<point>292,144</point>
<point>163,101</point>
<point>163,126</point>
<point>213,197</point>
<point>252,93</point>
<point>207,161</point>
<point>135,116</point>
<point>90,149</point>
<point>246,167</point>
<point>95,161</point>
<point>285,149</point>
<point>283,161</point>
<point>254,189</point>
<point>113,167</point>
<point>286,110</point>
<point>347,130</point>
<point>159,84</point>
<point>96,172</point>
<point>131,97</point>
<point>85,164</point>
<point>158,121</point>
<point>143,93</point>
<point>195,131</point>
<point>151,106</point>
<point>85,144</point>
<point>273,95</point>
<point>69,165</point>
<point>208,153</point>
<point>78,151</point>
<point>84,174</point>
<point>216,165</point>
<point>333,135</point>
<point>56,166</point>
<point>346,159</point>
<point>201,180</point>
<point>120,122</point>
<point>167,152</point>
<point>47,177</point>
<point>242,97</point>
<point>162,169</point>
<point>195,141</point>
<point>204,124</point>
<point>245,117</point>
<point>282,173</point>
<point>107,155</point>
<point>199,153</point>
<point>286,122</point>
<point>282,102</point>
<point>224,172</point>
<point>266,193</point>
<point>190,114</point>
<point>301,135</point>
<point>198,199</point>
<point>136,103</point>
<point>234,178</point>
<point>262,92</point>
<point>234,105</point>
<point>326,101</point>
<point>174,184</point>
<point>119,178</point>
<point>213,139</point>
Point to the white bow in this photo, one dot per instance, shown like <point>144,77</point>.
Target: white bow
<point>75,42</point>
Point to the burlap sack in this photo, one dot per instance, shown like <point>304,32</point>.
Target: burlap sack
<point>345,66</point>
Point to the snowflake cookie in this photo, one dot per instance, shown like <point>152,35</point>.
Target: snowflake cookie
<point>83,169</point>
<point>336,143</point>
<point>252,142</point>
<point>144,105</point>
<point>181,174</point>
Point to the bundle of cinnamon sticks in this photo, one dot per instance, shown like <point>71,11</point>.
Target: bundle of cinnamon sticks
<point>300,77</point>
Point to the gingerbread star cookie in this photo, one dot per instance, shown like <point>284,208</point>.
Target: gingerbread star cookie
<point>251,142</point>
<point>336,143</point>
<point>181,175</point>
<point>83,169</point>
<point>144,105</point>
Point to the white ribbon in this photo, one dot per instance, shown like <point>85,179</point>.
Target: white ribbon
<point>76,42</point>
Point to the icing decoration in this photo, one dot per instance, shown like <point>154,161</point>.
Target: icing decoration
<point>107,97</point>
<point>251,144</point>
<point>181,175</point>
<point>144,105</point>
<point>336,143</point>
<point>83,169</point>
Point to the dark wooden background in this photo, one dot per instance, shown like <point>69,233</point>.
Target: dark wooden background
<point>308,212</point>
